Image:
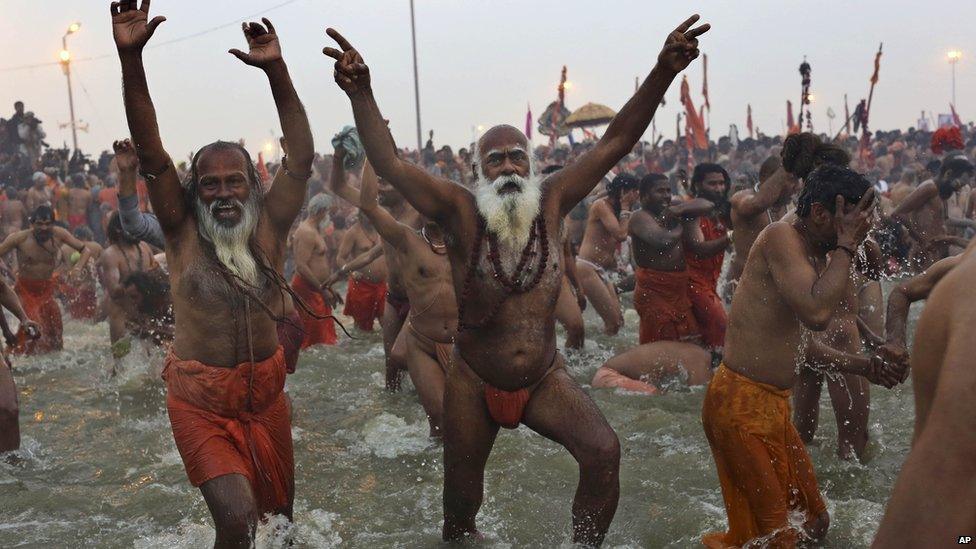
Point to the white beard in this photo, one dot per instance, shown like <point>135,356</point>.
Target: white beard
<point>231,243</point>
<point>509,216</point>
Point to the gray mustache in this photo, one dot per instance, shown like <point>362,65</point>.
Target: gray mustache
<point>221,202</point>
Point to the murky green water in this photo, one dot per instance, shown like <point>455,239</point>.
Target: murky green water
<point>99,468</point>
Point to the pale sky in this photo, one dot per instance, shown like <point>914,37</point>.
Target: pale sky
<point>483,61</point>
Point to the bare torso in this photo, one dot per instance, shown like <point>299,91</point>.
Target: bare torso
<point>318,262</point>
<point>747,229</point>
<point>35,260</point>
<point>426,277</point>
<point>514,348</point>
<point>599,246</point>
<point>765,339</point>
<point>78,201</point>
<point>361,242</point>
<point>660,259</point>
<point>13,214</point>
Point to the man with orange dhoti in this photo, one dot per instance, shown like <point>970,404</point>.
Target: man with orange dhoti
<point>38,255</point>
<point>366,293</point>
<point>661,297</point>
<point>312,270</point>
<point>225,245</point>
<point>788,286</point>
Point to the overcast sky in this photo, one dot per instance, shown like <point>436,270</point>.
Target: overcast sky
<point>483,61</point>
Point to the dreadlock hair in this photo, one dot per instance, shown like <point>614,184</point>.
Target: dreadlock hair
<point>822,185</point>
<point>705,168</point>
<point>803,152</point>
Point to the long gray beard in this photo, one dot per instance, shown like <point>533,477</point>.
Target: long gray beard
<point>509,216</point>
<point>231,243</point>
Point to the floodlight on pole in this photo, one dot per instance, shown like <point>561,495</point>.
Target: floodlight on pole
<point>65,57</point>
<point>953,56</point>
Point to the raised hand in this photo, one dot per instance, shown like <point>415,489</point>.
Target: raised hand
<point>262,42</point>
<point>131,26</point>
<point>351,72</point>
<point>852,224</point>
<point>125,156</point>
<point>681,46</point>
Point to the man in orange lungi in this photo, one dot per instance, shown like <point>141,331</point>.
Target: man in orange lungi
<point>661,297</point>
<point>225,242</point>
<point>312,270</point>
<point>705,245</point>
<point>38,249</point>
<point>788,285</point>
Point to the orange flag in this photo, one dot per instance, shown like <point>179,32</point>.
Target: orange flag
<point>262,169</point>
<point>694,121</point>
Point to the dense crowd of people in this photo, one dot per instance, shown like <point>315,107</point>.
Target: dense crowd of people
<point>753,264</point>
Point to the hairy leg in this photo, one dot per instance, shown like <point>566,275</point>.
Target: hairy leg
<point>560,411</point>
<point>9,411</point>
<point>806,403</point>
<point>569,315</point>
<point>469,434</point>
<point>234,510</point>
<point>428,377</point>
<point>603,299</point>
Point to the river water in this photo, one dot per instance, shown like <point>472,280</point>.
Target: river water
<point>98,466</point>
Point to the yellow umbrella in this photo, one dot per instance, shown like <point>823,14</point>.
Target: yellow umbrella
<point>590,114</point>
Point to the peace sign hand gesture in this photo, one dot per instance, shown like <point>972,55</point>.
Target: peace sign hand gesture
<point>351,73</point>
<point>681,46</point>
<point>263,46</point>
<point>131,26</point>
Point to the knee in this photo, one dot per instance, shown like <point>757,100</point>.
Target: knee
<point>601,453</point>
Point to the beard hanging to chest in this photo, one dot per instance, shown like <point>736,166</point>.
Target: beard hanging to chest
<point>231,243</point>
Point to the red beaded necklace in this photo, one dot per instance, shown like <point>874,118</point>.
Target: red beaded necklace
<point>514,284</point>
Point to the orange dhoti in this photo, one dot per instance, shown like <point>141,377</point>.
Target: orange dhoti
<point>709,311</point>
<point>763,466</point>
<point>364,302</point>
<point>37,297</point>
<point>317,330</point>
<point>662,301</point>
<point>222,428</point>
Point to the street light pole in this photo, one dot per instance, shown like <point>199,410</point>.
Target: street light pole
<point>66,66</point>
<point>416,81</point>
<point>954,56</point>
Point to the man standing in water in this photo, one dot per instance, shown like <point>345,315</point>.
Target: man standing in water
<point>312,270</point>
<point>38,255</point>
<point>9,408</point>
<point>506,367</point>
<point>933,500</point>
<point>788,285</point>
<point>225,243</point>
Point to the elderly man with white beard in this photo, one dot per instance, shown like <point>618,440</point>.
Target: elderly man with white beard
<point>225,243</point>
<point>503,245</point>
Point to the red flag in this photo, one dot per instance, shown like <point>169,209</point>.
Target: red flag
<point>528,123</point>
<point>877,66</point>
<point>955,117</point>
<point>749,119</point>
<point>705,81</point>
<point>262,169</point>
<point>693,120</point>
<point>789,117</point>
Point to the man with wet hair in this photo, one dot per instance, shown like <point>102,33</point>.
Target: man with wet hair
<point>705,245</point>
<point>38,255</point>
<point>124,256</point>
<point>225,243</point>
<point>925,212</point>
<point>788,287</point>
<point>503,241</point>
<point>606,228</point>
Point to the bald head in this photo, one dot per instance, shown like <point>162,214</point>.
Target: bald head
<point>503,150</point>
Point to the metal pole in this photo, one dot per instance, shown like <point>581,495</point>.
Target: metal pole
<point>71,100</point>
<point>416,82</point>
<point>954,86</point>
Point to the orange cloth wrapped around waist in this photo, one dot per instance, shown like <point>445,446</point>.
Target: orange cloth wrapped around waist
<point>661,299</point>
<point>763,466</point>
<point>37,298</point>
<point>507,408</point>
<point>78,220</point>
<point>222,427</point>
<point>709,311</point>
<point>317,330</point>
<point>364,302</point>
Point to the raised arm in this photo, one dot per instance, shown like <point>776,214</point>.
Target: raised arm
<point>338,181</point>
<point>576,181</point>
<point>132,30</point>
<point>914,201</point>
<point>433,197</point>
<point>617,228</point>
<point>287,193</point>
<point>386,225</point>
<point>141,225</point>
<point>751,204</point>
<point>914,289</point>
<point>814,297</point>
